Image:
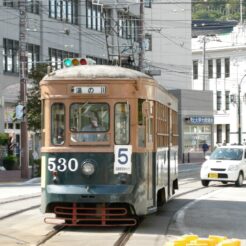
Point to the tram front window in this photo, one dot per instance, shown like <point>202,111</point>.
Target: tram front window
<point>58,123</point>
<point>89,122</point>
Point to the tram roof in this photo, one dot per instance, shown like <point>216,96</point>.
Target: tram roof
<point>95,71</point>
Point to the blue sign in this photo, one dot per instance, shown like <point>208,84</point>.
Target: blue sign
<point>200,120</point>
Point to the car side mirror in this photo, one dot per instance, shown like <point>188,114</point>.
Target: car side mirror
<point>207,157</point>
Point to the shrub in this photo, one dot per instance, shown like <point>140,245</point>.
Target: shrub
<point>37,167</point>
<point>10,162</point>
<point>4,138</point>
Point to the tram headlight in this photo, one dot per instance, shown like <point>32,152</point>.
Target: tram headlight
<point>88,168</point>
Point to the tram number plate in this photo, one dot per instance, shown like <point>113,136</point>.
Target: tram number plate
<point>213,175</point>
<point>122,156</point>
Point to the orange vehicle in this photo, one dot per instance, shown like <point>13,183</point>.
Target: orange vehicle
<point>122,166</point>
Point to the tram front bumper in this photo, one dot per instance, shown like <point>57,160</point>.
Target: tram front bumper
<point>90,189</point>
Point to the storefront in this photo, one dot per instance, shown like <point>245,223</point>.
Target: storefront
<point>195,123</point>
<point>197,131</point>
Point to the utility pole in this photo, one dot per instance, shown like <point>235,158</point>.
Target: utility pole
<point>204,63</point>
<point>241,12</point>
<point>23,81</point>
<point>141,36</point>
<point>239,110</point>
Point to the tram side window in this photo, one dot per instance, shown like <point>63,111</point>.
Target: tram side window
<point>141,124</point>
<point>58,123</point>
<point>122,123</point>
<point>42,121</point>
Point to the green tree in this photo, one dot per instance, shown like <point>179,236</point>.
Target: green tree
<point>33,97</point>
<point>217,9</point>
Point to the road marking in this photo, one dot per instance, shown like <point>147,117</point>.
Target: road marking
<point>180,214</point>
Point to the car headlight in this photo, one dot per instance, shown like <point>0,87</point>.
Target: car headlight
<point>233,168</point>
<point>88,168</point>
<point>205,166</point>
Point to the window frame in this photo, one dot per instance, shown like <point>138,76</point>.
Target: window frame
<point>227,67</point>
<point>64,10</point>
<point>52,122</point>
<point>81,131</point>
<point>218,100</point>
<point>129,124</point>
<point>195,69</point>
<point>210,68</point>
<point>218,68</point>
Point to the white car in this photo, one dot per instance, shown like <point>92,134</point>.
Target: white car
<point>226,164</point>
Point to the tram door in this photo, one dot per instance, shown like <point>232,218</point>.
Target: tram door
<point>149,133</point>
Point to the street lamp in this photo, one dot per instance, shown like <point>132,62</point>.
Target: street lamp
<point>239,110</point>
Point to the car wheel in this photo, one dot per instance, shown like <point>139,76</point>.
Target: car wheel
<point>239,181</point>
<point>205,182</point>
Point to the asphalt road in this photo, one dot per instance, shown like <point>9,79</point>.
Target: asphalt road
<point>218,209</point>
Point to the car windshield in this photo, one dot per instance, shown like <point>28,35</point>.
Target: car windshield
<point>227,154</point>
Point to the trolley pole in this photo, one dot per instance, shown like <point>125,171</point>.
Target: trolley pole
<point>24,160</point>
<point>141,36</point>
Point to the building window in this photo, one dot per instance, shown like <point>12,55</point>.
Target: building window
<point>122,27</point>
<point>147,3</point>
<point>227,133</point>
<point>210,68</point>
<point>33,56</point>
<point>219,133</point>
<point>32,5</point>
<point>148,42</point>
<point>128,27</point>
<point>56,57</point>
<point>98,60</point>
<point>227,100</point>
<point>195,69</point>
<point>218,68</point>
<point>64,10</point>
<point>94,16</point>
<point>227,67</point>
<point>11,56</point>
<point>219,95</point>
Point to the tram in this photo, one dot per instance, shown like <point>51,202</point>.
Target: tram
<point>117,169</point>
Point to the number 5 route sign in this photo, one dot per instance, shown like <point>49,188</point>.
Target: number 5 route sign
<point>122,159</point>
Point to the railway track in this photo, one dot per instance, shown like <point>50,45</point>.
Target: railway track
<point>18,205</point>
<point>120,236</point>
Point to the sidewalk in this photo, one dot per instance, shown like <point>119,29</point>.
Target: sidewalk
<point>14,176</point>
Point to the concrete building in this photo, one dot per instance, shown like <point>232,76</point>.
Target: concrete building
<point>196,123</point>
<point>168,42</point>
<point>107,31</point>
<point>224,74</point>
<point>168,49</point>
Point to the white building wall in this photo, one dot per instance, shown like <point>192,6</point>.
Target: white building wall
<point>232,46</point>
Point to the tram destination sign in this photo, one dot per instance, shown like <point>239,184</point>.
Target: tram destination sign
<point>88,89</point>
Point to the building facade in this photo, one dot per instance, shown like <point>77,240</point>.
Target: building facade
<point>106,31</point>
<point>223,73</point>
<point>167,26</point>
<point>110,32</point>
